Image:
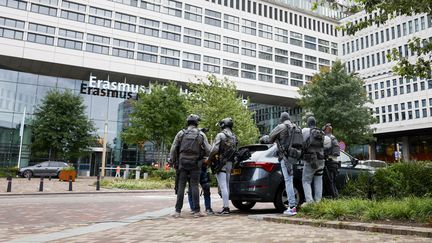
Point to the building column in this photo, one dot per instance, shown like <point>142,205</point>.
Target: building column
<point>372,150</point>
<point>405,149</point>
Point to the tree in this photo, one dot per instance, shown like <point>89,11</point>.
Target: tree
<point>157,117</point>
<point>336,97</point>
<point>378,13</point>
<point>218,99</point>
<point>61,127</point>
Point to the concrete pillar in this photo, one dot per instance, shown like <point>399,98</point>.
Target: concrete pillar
<point>372,150</point>
<point>405,149</point>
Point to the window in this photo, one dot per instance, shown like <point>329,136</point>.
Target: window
<point>125,17</point>
<point>41,39</point>
<point>11,34</point>
<point>99,21</point>
<point>170,52</point>
<point>124,26</point>
<point>98,39</point>
<point>14,4</point>
<point>41,28</point>
<point>193,13</point>
<point>128,2</point>
<point>123,43</point>
<point>97,48</point>
<point>146,57</point>
<point>248,27</point>
<point>71,44</point>
<point>248,49</point>
<point>100,12</point>
<point>265,31</point>
<point>148,31</point>
<point>12,23</point>
<point>231,45</point>
<point>169,61</point>
<point>192,36</point>
<point>213,67</point>
<point>281,35</point>
<point>43,10</point>
<point>213,18</point>
<point>231,22</point>
<point>123,53</point>
<point>191,61</point>
<point>74,6</point>
<point>71,34</point>
<point>150,6</point>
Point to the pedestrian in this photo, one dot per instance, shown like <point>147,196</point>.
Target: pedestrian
<point>331,167</point>
<point>284,137</point>
<point>117,174</point>
<point>313,160</point>
<point>205,185</point>
<point>189,147</point>
<point>222,156</point>
<point>167,167</point>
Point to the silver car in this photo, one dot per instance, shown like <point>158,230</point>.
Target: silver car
<point>47,168</point>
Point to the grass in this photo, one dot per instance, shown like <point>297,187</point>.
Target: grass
<point>148,184</point>
<point>412,209</point>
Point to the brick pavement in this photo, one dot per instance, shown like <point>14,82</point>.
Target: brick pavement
<point>234,228</point>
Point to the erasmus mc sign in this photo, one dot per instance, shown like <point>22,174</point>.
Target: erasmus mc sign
<point>111,89</point>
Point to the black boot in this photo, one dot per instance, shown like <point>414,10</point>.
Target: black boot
<point>225,211</point>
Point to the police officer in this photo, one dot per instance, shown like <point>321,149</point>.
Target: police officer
<point>224,147</point>
<point>331,152</point>
<point>189,147</point>
<point>280,133</point>
<point>313,159</point>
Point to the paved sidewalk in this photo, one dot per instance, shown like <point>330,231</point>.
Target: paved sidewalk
<point>81,185</point>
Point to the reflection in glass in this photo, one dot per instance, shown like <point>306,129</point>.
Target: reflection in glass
<point>8,76</point>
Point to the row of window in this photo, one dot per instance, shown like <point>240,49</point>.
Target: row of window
<point>388,34</point>
<point>380,58</point>
<point>389,83</point>
<point>403,89</point>
<point>45,35</point>
<point>275,13</point>
<point>409,105</point>
<point>402,116</point>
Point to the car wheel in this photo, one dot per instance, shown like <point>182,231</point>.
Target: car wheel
<point>281,199</point>
<point>243,205</point>
<point>27,174</point>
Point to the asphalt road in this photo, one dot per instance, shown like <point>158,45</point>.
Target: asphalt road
<point>145,217</point>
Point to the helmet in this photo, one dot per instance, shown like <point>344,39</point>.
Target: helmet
<point>329,126</point>
<point>284,116</point>
<point>311,122</point>
<point>264,139</point>
<point>226,122</point>
<point>193,119</point>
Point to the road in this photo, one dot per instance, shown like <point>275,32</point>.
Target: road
<point>145,217</point>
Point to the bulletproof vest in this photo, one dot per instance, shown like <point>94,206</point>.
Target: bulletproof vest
<point>190,145</point>
<point>228,147</point>
<point>334,149</point>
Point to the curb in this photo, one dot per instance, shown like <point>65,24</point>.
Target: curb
<point>370,227</point>
<point>77,193</point>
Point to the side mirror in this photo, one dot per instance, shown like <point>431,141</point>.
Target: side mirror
<point>354,162</point>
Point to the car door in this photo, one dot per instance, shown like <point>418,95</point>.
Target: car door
<point>53,168</point>
<point>41,169</point>
<point>347,171</point>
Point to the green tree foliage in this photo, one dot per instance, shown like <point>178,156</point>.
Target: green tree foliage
<point>157,116</point>
<point>217,99</point>
<point>378,13</point>
<point>61,128</point>
<point>339,98</point>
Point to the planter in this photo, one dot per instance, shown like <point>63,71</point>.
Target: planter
<point>65,174</point>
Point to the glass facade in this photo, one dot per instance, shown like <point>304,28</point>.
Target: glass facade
<point>20,89</point>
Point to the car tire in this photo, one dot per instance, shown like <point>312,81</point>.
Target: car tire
<point>243,205</point>
<point>27,174</point>
<point>281,199</point>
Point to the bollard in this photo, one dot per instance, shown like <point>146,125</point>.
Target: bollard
<point>70,183</point>
<point>9,185</point>
<point>137,173</point>
<point>49,178</point>
<point>98,183</point>
<point>145,175</point>
<point>29,178</point>
<point>41,184</point>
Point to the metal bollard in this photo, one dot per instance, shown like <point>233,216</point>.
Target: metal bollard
<point>70,183</point>
<point>29,178</point>
<point>9,185</point>
<point>98,183</point>
<point>49,178</point>
<point>41,184</point>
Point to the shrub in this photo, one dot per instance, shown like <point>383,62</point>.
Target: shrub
<point>163,174</point>
<point>398,181</point>
<point>8,171</point>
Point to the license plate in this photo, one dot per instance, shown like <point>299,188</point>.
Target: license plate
<point>236,172</point>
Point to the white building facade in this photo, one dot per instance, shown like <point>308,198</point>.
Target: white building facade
<point>402,107</point>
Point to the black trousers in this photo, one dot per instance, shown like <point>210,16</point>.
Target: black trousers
<point>331,170</point>
<point>184,175</point>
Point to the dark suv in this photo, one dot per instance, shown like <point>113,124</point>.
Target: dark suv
<point>260,179</point>
<point>47,168</point>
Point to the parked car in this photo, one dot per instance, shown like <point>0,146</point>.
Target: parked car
<point>46,168</point>
<point>260,179</point>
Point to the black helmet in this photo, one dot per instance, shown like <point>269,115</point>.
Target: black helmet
<point>311,122</point>
<point>284,116</point>
<point>226,122</point>
<point>193,119</point>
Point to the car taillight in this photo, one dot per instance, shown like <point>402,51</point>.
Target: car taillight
<point>267,166</point>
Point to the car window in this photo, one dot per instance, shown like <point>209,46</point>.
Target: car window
<point>344,158</point>
<point>52,164</point>
<point>44,164</point>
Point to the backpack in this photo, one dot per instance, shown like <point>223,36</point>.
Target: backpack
<point>335,149</point>
<point>228,148</point>
<point>190,148</point>
<point>292,142</point>
<point>315,141</point>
